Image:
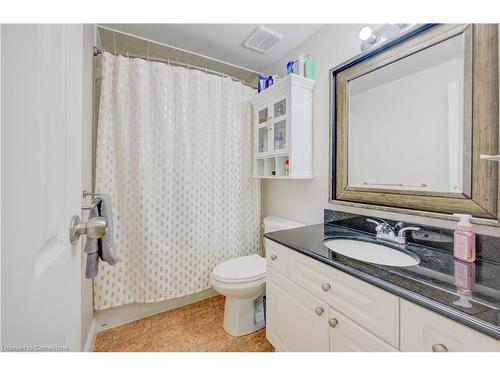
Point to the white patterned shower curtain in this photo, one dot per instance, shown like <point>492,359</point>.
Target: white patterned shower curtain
<point>174,149</point>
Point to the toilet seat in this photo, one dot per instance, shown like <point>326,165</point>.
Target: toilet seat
<point>241,270</point>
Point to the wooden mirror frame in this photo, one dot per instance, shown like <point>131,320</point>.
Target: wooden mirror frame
<point>480,197</point>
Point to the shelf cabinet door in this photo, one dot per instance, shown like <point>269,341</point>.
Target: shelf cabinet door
<point>271,122</point>
<point>347,336</point>
<point>296,320</point>
<point>263,137</point>
<point>279,120</point>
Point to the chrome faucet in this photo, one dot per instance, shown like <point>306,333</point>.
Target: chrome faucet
<point>386,232</point>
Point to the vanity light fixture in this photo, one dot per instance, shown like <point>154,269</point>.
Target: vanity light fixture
<point>366,34</point>
<point>371,37</point>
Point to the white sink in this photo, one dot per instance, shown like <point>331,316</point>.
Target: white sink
<point>372,252</point>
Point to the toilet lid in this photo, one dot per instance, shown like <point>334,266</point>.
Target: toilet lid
<point>242,269</point>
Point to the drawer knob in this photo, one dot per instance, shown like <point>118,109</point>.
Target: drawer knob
<point>439,348</point>
<point>326,287</point>
<point>319,310</point>
<point>274,257</point>
<point>333,322</point>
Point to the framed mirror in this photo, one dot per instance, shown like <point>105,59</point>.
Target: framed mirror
<point>410,119</point>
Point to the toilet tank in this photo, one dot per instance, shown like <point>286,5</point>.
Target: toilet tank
<point>275,223</point>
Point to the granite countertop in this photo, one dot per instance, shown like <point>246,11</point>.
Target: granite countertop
<point>431,284</point>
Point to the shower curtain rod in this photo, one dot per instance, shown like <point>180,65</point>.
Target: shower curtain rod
<point>98,51</point>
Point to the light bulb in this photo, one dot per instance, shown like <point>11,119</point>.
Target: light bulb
<point>365,33</point>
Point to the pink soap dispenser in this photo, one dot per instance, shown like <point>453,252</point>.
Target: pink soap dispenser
<point>464,239</point>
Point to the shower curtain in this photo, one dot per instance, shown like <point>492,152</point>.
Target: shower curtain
<point>174,150</point>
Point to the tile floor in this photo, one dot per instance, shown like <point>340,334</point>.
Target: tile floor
<point>191,328</point>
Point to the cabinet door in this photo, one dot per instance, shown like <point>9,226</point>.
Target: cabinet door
<point>263,133</point>
<point>423,330</point>
<point>347,336</point>
<point>279,123</point>
<point>372,308</point>
<point>296,320</point>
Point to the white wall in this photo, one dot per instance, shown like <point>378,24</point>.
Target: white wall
<point>306,200</point>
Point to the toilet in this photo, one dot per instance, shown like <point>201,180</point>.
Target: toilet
<point>242,281</point>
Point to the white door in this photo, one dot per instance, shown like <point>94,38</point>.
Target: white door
<point>296,320</point>
<point>41,179</point>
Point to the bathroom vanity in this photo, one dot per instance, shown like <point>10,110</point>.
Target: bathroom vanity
<point>320,300</point>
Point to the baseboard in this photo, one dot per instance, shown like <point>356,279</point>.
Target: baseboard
<point>116,316</point>
<point>89,343</point>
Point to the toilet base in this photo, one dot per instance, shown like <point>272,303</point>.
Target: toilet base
<point>239,316</point>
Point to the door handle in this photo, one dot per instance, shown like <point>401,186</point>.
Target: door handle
<point>94,228</point>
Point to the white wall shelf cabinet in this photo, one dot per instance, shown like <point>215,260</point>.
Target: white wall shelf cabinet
<point>314,307</point>
<point>283,129</point>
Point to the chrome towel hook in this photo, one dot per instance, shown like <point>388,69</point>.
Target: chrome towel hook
<point>94,228</point>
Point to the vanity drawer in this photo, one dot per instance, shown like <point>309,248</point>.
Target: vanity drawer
<point>423,330</point>
<point>277,256</point>
<point>370,307</point>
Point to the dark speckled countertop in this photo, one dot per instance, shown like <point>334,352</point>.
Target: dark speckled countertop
<point>431,284</point>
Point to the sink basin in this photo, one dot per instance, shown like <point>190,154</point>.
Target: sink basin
<point>372,252</point>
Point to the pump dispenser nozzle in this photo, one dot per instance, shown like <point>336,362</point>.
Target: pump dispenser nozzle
<point>464,222</point>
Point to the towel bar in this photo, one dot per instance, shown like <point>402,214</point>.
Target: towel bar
<point>86,194</point>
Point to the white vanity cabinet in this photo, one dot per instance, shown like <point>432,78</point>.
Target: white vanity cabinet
<point>423,330</point>
<point>366,305</point>
<point>298,319</point>
<point>314,307</point>
<point>283,129</point>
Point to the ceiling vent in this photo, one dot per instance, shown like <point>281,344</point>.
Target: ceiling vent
<point>262,39</point>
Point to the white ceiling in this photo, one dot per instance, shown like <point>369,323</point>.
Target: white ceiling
<point>223,41</point>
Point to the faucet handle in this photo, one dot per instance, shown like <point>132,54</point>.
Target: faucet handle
<point>379,224</point>
<point>376,222</point>
<point>402,233</point>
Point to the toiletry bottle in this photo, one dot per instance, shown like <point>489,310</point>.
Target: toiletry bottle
<point>261,83</point>
<point>310,68</point>
<point>464,239</point>
<point>287,168</point>
<point>301,65</point>
<point>269,81</point>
